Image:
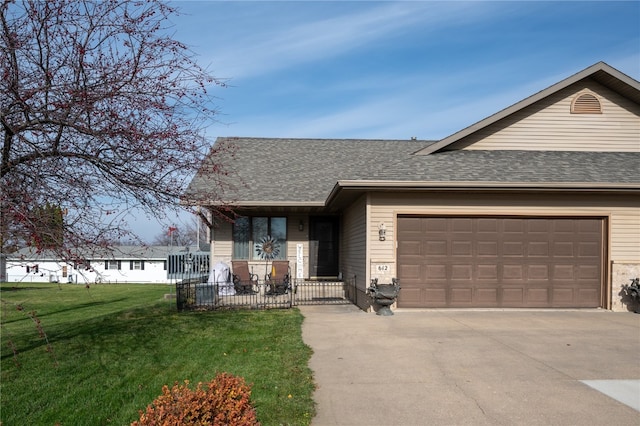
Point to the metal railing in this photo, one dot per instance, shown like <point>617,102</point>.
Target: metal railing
<point>198,294</point>
<point>324,292</point>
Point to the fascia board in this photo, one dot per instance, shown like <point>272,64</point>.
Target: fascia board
<point>261,203</point>
<point>472,185</point>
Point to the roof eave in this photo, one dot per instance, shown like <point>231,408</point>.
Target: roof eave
<point>371,185</point>
<point>262,203</point>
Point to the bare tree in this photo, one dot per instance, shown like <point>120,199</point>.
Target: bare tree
<point>101,111</point>
<point>180,235</point>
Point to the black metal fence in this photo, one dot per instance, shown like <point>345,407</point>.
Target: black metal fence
<point>324,292</point>
<point>197,294</point>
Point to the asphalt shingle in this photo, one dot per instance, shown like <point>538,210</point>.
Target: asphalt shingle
<point>302,171</point>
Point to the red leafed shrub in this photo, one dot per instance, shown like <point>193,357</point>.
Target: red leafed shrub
<point>225,400</point>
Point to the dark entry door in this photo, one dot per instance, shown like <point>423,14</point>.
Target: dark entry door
<point>323,247</point>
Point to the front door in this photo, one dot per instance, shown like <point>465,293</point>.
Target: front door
<point>323,247</point>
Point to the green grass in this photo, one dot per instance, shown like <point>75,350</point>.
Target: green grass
<point>114,346</point>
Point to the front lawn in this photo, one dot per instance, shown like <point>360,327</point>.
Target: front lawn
<point>112,347</point>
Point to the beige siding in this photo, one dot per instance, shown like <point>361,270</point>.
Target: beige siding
<point>549,125</point>
<point>625,234</point>
<point>222,244</point>
<point>382,253</point>
<point>354,245</point>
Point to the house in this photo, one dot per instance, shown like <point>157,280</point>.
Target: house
<point>119,264</point>
<point>536,206</point>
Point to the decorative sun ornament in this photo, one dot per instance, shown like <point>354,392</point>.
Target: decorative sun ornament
<point>268,248</point>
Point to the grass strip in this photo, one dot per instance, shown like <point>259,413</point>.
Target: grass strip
<point>112,347</point>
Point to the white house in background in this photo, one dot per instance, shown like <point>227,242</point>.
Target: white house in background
<point>120,264</point>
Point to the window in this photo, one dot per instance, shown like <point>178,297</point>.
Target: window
<point>250,233</point>
<point>136,265</point>
<point>86,265</point>
<point>112,264</point>
<point>241,238</point>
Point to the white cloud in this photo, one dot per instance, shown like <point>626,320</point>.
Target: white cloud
<point>428,106</point>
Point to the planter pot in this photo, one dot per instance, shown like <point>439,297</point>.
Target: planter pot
<point>384,295</point>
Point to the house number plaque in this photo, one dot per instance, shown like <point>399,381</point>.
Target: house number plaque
<point>382,268</point>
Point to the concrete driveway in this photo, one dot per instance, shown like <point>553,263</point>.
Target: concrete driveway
<point>457,367</point>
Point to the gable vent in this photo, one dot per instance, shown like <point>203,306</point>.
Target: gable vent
<point>586,104</point>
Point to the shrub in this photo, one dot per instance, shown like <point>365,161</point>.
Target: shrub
<point>224,401</point>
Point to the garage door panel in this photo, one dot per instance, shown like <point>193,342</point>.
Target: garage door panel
<point>436,272</point>
<point>589,249</point>
<point>462,295</point>
<point>513,296</point>
<point>537,297</point>
<point>410,297</point>
<point>538,273</point>
<point>540,226</point>
<point>538,249</point>
<point>461,272</point>
<point>563,296</point>
<point>500,261</point>
<point>436,248</point>
<point>564,226</point>
<point>462,225</point>
<point>513,272</point>
<point>486,297</point>
<point>588,272</point>
<point>410,247</point>
<point>513,249</point>
<point>562,249</point>
<point>434,224</point>
<point>513,226</point>
<point>589,226</point>
<point>487,272</point>
<point>487,248</point>
<point>564,272</point>
<point>435,296</point>
<point>587,297</point>
<point>410,224</point>
<point>408,271</point>
<point>461,248</point>
<point>487,224</point>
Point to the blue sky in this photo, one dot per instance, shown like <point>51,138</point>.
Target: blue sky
<point>393,70</point>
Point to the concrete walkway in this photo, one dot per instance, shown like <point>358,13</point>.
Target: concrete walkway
<point>469,367</point>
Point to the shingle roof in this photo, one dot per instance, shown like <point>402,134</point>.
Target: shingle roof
<point>301,171</point>
<point>265,171</point>
<point>521,167</point>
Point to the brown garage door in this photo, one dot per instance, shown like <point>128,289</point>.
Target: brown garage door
<point>500,262</point>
